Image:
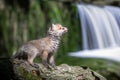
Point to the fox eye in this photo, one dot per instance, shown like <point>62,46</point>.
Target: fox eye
<point>61,28</point>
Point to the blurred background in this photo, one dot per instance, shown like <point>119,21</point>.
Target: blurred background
<point>25,20</point>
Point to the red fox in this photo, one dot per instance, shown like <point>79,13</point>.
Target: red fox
<point>44,47</point>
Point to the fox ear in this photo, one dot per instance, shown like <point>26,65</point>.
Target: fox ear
<point>53,26</point>
<point>50,29</point>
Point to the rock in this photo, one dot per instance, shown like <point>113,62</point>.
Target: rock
<point>24,71</point>
<point>21,70</point>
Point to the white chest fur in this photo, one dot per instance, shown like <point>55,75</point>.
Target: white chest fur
<point>54,45</point>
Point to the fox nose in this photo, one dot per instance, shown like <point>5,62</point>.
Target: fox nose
<point>66,30</point>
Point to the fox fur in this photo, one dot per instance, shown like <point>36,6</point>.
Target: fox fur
<point>43,47</point>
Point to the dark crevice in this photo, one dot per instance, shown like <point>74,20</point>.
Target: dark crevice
<point>96,78</point>
<point>84,67</point>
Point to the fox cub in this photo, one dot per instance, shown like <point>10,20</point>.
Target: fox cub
<point>44,47</point>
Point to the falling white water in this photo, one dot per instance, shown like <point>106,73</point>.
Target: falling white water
<point>100,32</point>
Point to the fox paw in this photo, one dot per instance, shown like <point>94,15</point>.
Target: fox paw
<point>34,65</point>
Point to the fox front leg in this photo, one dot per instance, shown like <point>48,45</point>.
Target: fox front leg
<point>44,59</point>
<point>52,62</point>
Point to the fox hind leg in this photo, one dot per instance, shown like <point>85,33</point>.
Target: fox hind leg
<point>31,59</point>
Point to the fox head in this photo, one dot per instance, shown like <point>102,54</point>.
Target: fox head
<point>57,30</point>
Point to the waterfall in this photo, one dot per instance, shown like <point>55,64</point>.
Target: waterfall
<point>100,32</point>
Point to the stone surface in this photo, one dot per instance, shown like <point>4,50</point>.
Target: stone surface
<point>24,71</point>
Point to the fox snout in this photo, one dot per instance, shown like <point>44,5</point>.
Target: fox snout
<point>65,30</point>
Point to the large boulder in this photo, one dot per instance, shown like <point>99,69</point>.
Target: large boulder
<point>21,70</point>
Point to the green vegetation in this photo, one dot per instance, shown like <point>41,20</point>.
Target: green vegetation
<point>19,24</point>
<point>109,69</point>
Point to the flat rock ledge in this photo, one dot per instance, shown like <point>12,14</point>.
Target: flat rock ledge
<point>24,71</point>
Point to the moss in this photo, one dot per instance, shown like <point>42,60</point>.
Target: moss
<point>63,72</point>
